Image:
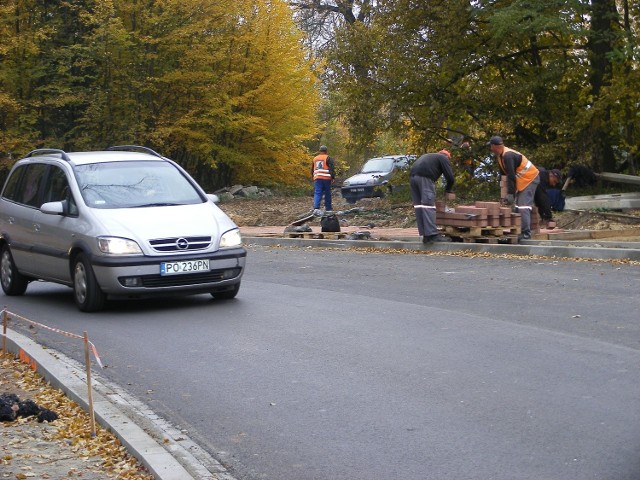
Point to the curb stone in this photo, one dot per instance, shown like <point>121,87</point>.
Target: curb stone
<point>545,248</point>
<point>164,450</point>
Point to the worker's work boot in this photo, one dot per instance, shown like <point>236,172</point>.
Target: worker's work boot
<point>524,236</point>
<point>437,238</point>
<point>441,238</point>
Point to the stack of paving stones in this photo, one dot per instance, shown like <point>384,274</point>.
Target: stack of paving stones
<point>483,222</point>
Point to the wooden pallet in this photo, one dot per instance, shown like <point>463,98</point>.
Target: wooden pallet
<point>316,235</point>
<point>504,240</point>
<point>480,232</point>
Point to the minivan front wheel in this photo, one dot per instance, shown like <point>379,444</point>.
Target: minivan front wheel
<point>13,282</point>
<point>227,294</point>
<point>86,291</point>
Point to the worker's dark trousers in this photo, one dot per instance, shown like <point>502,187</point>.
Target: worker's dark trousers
<point>524,202</point>
<point>423,196</point>
<point>542,201</point>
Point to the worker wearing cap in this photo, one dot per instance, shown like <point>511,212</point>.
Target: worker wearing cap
<point>522,181</point>
<point>323,173</point>
<point>424,172</point>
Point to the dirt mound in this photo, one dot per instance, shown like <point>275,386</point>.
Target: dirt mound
<point>275,211</point>
<point>598,220</point>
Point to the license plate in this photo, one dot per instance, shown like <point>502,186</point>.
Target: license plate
<point>186,266</point>
<point>357,189</point>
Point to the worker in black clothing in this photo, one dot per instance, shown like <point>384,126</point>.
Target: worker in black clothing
<point>425,171</point>
<point>548,179</point>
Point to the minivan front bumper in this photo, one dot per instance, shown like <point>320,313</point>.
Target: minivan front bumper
<point>140,276</point>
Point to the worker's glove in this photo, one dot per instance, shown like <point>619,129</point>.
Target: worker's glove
<point>510,199</point>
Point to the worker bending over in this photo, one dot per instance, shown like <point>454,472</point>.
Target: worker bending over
<point>424,172</point>
<point>522,181</point>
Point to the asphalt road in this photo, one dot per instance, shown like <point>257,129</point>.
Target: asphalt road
<point>345,365</point>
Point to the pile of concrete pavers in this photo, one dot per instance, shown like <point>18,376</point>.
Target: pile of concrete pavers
<point>483,219</point>
<point>487,222</point>
<point>480,214</point>
<point>484,215</point>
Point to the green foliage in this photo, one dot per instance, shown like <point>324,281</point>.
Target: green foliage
<point>557,79</point>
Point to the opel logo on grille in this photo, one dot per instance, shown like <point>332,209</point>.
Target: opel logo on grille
<point>182,244</point>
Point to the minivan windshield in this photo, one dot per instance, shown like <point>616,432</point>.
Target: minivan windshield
<point>132,184</point>
<point>378,165</point>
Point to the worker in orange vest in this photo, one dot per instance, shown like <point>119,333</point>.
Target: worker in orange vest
<point>323,173</point>
<point>522,181</point>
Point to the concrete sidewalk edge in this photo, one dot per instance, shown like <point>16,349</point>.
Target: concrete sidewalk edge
<point>165,451</point>
<point>529,247</point>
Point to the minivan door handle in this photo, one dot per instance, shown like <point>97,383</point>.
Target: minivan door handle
<point>36,227</point>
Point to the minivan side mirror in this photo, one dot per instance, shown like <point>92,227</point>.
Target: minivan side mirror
<point>53,208</point>
<point>213,197</point>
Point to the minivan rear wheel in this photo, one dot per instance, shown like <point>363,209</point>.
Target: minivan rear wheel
<point>13,282</point>
<point>86,291</point>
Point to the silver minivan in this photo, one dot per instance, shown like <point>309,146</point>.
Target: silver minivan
<point>122,223</point>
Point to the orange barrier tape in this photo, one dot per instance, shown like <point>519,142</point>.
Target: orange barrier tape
<point>56,330</point>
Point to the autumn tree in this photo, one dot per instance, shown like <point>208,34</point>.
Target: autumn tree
<point>224,87</point>
<point>541,74</point>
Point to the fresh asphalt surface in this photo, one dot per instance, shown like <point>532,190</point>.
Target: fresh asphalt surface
<point>347,365</point>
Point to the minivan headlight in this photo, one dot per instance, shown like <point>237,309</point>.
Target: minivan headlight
<point>118,246</point>
<point>231,239</point>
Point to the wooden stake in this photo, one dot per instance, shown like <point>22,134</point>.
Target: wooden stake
<point>87,360</point>
<point>4,331</point>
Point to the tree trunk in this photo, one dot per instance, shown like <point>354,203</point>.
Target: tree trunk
<point>601,44</point>
<point>629,111</point>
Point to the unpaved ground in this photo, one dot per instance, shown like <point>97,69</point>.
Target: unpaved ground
<point>276,211</point>
<point>62,449</point>
<point>376,212</point>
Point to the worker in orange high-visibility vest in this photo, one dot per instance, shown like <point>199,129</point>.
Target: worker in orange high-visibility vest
<point>323,174</point>
<point>522,181</point>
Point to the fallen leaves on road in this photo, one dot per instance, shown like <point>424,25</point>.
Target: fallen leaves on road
<point>460,253</point>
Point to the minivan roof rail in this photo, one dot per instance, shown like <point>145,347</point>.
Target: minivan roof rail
<point>44,151</point>
<point>134,148</point>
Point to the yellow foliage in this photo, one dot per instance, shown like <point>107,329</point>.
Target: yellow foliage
<point>245,94</point>
<point>224,84</point>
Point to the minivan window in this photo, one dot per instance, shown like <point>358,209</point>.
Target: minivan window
<point>28,190</point>
<point>31,184</point>
<point>11,191</point>
<point>57,190</point>
<point>133,184</point>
